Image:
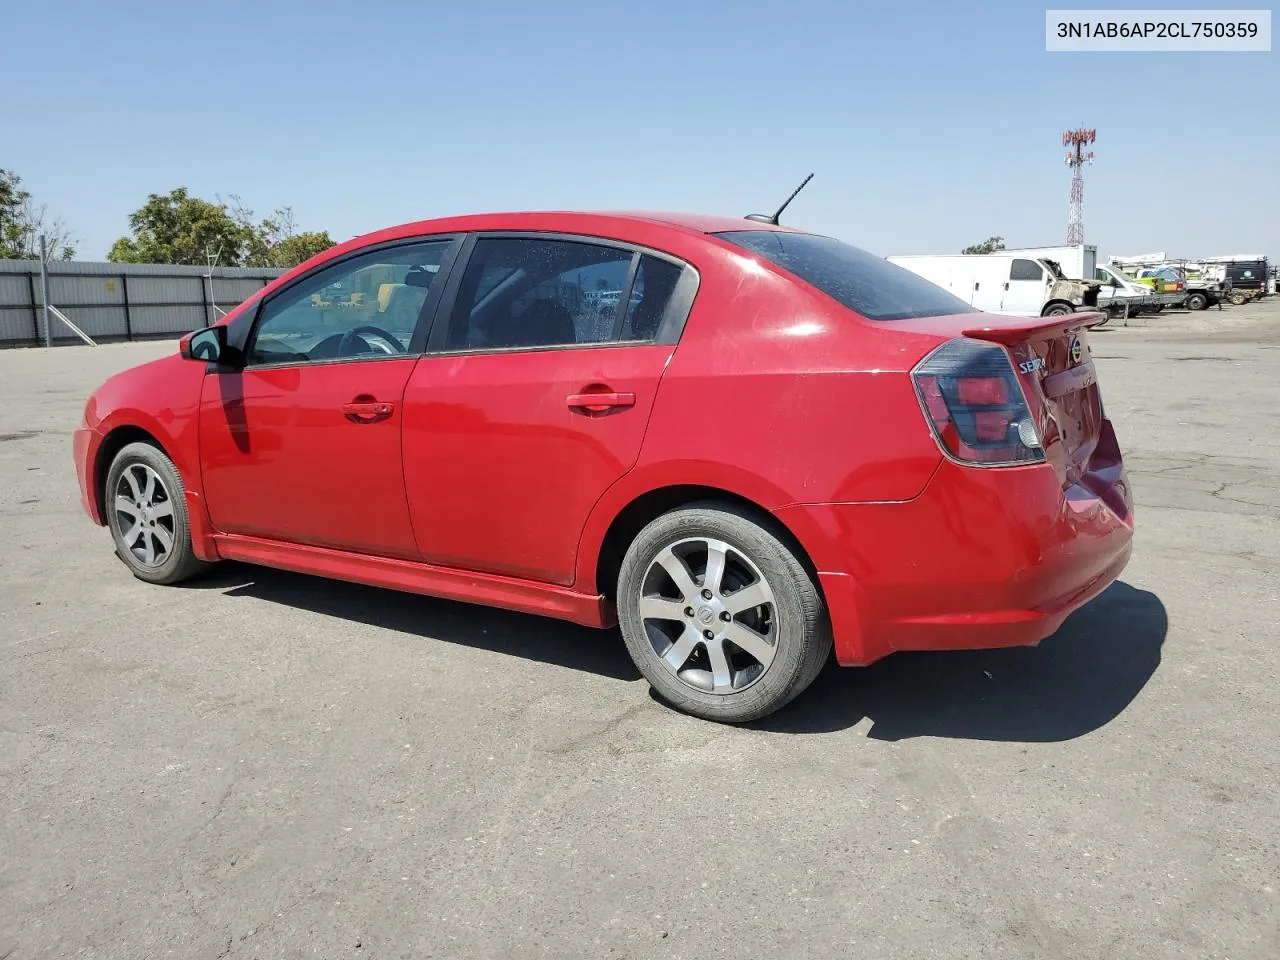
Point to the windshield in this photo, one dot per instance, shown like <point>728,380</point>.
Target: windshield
<point>861,281</point>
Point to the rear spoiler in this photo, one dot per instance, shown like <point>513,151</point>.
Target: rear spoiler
<point>1019,331</point>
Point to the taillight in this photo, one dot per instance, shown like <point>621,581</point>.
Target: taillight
<point>975,404</point>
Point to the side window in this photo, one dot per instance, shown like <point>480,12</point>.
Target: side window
<point>367,306</point>
<point>651,292</point>
<point>525,292</point>
<point>1026,270</point>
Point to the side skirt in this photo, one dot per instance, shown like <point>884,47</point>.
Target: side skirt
<point>489,590</point>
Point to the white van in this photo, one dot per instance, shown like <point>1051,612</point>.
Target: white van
<point>1076,261</point>
<point>1001,283</point>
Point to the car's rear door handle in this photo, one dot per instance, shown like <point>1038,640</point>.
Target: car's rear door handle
<point>367,411</point>
<point>599,402</point>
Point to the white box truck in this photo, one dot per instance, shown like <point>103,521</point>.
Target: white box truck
<point>1076,261</point>
<point>1003,282</point>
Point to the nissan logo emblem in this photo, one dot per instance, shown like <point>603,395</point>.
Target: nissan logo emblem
<point>1077,350</point>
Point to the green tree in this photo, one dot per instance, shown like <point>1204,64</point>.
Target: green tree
<point>179,228</point>
<point>278,242</point>
<point>989,245</point>
<point>22,223</point>
<point>299,248</point>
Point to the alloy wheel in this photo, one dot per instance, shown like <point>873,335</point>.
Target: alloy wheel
<point>144,515</point>
<point>710,615</point>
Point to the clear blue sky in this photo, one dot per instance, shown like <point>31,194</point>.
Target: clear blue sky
<point>929,125</point>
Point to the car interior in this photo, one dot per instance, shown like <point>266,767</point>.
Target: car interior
<point>514,294</point>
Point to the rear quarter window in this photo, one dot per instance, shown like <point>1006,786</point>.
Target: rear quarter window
<point>861,281</point>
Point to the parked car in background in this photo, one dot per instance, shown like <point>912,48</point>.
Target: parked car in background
<point>775,444</point>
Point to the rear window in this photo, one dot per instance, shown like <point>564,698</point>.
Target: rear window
<point>863,282</point>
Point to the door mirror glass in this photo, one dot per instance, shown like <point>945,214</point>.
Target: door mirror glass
<point>207,345</point>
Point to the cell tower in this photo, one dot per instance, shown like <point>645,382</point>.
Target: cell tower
<point>1076,159</point>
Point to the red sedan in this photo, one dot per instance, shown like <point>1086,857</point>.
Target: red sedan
<point>741,442</point>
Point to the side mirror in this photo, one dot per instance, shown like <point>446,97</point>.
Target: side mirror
<point>207,346</point>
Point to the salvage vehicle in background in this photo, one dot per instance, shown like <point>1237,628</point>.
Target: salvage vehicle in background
<point>1120,292</point>
<point>1195,293</point>
<point>1118,295</point>
<point>1247,275</point>
<point>1161,279</point>
<point>1005,283</point>
<point>775,443</point>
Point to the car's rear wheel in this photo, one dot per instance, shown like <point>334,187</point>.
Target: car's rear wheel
<point>720,615</point>
<point>146,510</point>
<point>1197,301</point>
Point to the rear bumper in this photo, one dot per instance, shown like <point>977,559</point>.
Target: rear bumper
<point>84,447</point>
<point>981,558</point>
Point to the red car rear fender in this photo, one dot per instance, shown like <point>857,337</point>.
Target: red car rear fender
<point>684,481</point>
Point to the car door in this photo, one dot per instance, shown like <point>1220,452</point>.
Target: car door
<point>1026,288</point>
<point>302,443</point>
<point>534,397</point>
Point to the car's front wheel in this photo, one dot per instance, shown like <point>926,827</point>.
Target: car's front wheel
<point>720,615</point>
<point>146,508</point>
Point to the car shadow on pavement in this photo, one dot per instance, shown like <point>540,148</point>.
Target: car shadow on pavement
<point>486,628</point>
<point>1076,681</point>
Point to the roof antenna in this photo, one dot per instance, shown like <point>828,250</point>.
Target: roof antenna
<point>761,218</point>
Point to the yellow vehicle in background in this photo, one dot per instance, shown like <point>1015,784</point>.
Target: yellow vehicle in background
<point>1161,279</point>
<point>1198,287</point>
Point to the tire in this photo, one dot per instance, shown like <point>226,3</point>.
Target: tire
<point>1157,308</point>
<point>1238,299</point>
<point>790,629</point>
<point>145,485</point>
<point>1197,301</point>
<point>1056,310</point>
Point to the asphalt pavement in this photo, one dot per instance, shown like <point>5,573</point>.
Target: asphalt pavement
<point>261,764</point>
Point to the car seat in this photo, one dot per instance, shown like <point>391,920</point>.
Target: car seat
<point>545,323</point>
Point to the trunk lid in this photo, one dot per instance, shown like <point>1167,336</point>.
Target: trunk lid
<point>1053,363</point>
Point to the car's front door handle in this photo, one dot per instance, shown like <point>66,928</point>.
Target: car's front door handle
<point>367,411</point>
<point>599,402</point>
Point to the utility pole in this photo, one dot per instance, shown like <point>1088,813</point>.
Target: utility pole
<point>44,289</point>
<point>1076,159</point>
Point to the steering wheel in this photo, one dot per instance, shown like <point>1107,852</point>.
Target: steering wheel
<point>354,336</point>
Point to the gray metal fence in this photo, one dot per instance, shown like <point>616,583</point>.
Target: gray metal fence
<point>120,301</point>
